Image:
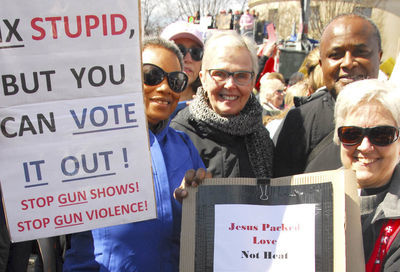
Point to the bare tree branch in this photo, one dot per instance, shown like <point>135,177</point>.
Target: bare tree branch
<point>156,14</point>
<point>147,7</point>
<point>189,7</point>
<point>323,13</point>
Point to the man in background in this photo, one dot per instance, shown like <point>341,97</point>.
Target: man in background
<point>350,50</point>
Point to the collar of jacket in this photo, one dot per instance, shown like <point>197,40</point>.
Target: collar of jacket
<point>300,100</point>
<point>160,130</point>
<point>387,203</point>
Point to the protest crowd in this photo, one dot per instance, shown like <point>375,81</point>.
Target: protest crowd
<point>218,107</point>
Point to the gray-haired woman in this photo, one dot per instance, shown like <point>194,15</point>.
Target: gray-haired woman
<point>224,121</point>
<point>367,116</point>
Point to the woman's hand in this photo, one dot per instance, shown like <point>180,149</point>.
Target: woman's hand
<point>192,178</point>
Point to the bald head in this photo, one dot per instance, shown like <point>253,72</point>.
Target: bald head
<point>375,29</point>
<point>350,50</point>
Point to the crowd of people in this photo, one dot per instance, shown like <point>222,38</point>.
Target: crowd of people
<point>243,22</point>
<point>206,119</point>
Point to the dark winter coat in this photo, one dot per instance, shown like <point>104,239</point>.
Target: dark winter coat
<point>304,127</point>
<point>224,155</point>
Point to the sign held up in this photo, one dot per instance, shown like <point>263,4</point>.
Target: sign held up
<point>75,153</point>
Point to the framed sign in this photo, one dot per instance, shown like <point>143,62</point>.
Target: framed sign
<point>248,225</point>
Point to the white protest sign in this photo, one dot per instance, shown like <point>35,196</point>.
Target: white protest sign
<point>75,153</point>
<point>264,238</point>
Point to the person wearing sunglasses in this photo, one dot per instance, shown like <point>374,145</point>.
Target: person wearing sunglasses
<point>190,42</point>
<point>151,245</point>
<point>272,94</point>
<point>367,120</point>
<point>224,120</point>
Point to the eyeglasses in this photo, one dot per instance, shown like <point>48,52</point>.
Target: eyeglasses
<point>195,52</point>
<point>154,75</point>
<point>239,77</point>
<point>380,135</point>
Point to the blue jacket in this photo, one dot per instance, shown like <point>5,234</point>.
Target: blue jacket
<point>151,245</point>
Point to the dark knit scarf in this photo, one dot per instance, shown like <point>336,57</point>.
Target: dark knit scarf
<point>247,123</point>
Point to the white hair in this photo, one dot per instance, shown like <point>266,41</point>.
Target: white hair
<point>232,40</point>
<point>363,92</point>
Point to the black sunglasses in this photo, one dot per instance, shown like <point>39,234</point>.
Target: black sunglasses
<point>380,135</point>
<point>154,75</point>
<point>195,52</point>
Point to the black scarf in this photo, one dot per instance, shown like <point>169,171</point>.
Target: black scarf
<point>247,123</point>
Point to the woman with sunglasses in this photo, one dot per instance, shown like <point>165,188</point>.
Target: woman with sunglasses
<point>367,116</point>
<point>190,42</point>
<point>224,121</point>
<point>272,93</point>
<point>151,245</point>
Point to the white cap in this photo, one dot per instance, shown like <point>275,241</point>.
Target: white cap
<point>182,29</point>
